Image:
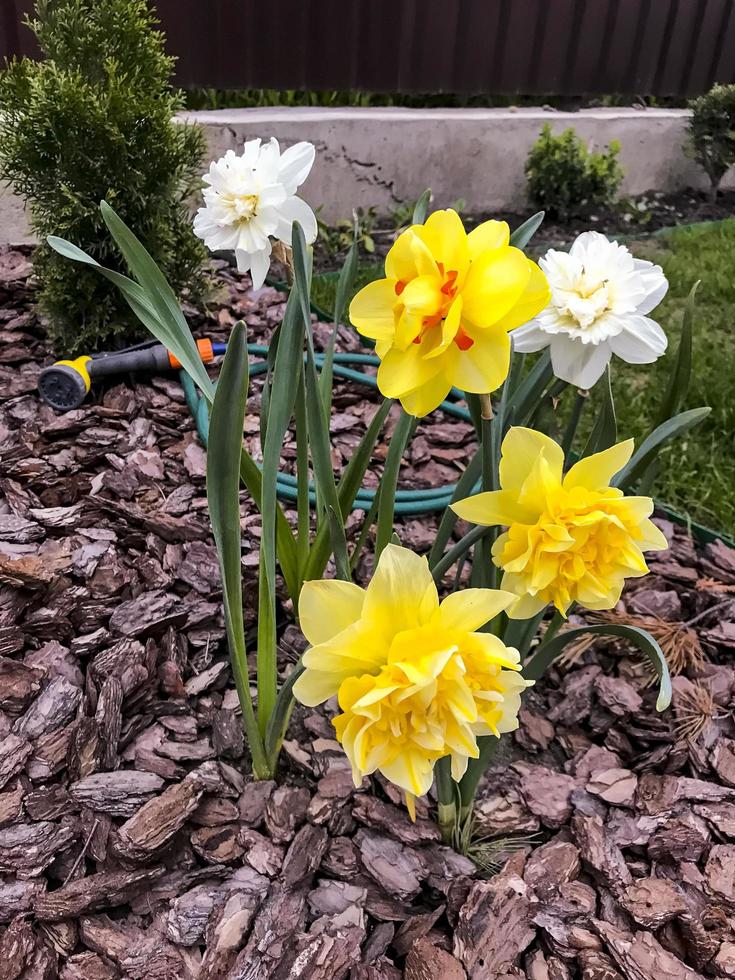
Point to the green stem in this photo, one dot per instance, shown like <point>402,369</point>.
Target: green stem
<point>456,551</point>
<point>302,474</point>
<point>476,768</point>
<point>446,791</point>
<point>580,401</point>
<point>531,672</point>
<point>367,523</point>
<point>386,505</point>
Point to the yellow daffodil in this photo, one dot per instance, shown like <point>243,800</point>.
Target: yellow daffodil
<point>414,680</point>
<point>570,538</point>
<point>442,314</point>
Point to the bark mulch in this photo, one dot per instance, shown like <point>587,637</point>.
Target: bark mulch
<point>132,843</point>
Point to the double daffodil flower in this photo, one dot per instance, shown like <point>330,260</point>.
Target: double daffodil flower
<point>442,314</point>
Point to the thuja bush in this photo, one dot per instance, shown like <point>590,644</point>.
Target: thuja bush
<point>712,133</point>
<point>93,121</point>
<point>565,178</point>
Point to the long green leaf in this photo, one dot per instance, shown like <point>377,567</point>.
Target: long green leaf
<point>525,232</point>
<point>283,394</point>
<point>605,430</point>
<point>389,481</point>
<point>223,498</point>
<point>464,488</point>
<point>526,396</point>
<point>421,207</point>
<point>649,448</point>
<point>278,722</point>
<point>680,376</point>
<point>347,488</point>
<point>318,420</point>
<point>540,661</point>
<point>168,332</point>
<point>344,285</point>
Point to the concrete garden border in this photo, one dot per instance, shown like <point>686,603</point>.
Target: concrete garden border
<point>384,156</point>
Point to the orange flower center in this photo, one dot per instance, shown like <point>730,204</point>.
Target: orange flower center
<point>448,289</point>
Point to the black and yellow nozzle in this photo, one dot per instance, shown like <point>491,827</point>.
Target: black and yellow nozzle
<point>65,384</point>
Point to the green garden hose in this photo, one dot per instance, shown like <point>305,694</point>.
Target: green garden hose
<point>408,502</point>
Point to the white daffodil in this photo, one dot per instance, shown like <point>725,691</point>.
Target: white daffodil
<point>251,198</point>
<point>600,295</point>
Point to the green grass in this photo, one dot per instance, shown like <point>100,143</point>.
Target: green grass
<point>697,476</point>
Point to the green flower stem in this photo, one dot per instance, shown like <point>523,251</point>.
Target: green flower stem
<point>581,399</point>
<point>386,505</point>
<point>302,476</point>
<point>476,769</point>
<point>457,550</point>
<point>446,791</point>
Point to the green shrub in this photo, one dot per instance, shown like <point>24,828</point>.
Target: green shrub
<point>712,133</point>
<point>566,179</point>
<point>94,121</point>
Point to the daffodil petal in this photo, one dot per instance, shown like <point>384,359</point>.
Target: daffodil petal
<point>482,367</point>
<point>519,451</point>
<point>493,507</point>
<point>327,607</point>
<point>487,236</point>
<point>494,284</point>
<point>596,471</point>
<point>372,309</point>
<point>402,593</point>
<point>470,609</point>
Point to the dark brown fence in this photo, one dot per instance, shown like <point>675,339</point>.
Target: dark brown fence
<point>531,47</point>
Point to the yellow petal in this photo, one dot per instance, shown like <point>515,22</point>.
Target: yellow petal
<point>595,472</point>
<point>402,593</point>
<point>488,235</point>
<point>444,235</point>
<point>449,328</point>
<point>527,606</point>
<point>521,447</point>
<point>327,607</point>
<point>494,284</point>
<point>314,687</point>
<point>471,608</point>
<point>425,399</point>
<point>534,299</point>
<point>538,486</point>
<point>411,772</point>
<point>371,311</point>
<point>403,371</point>
<point>422,295</point>
<point>494,507</point>
<point>399,262</point>
<point>483,367</point>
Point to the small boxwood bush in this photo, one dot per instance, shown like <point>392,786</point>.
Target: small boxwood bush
<point>93,121</point>
<point>566,179</point>
<point>712,133</point>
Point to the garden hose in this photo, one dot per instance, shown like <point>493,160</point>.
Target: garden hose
<point>65,384</point>
<point>408,502</point>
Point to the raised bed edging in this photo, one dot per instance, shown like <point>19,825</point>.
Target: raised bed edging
<point>380,157</point>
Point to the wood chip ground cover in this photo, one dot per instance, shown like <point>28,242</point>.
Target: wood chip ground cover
<point>132,845</point>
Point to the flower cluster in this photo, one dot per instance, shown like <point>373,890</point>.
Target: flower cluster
<point>442,315</point>
<point>600,296</point>
<point>414,680</point>
<point>252,197</point>
<point>570,538</point>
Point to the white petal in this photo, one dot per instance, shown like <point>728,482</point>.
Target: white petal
<point>641,342</point>
<point>243,260</point>
<point>579,364</point>
<point>529,338</point>
<point>655,283</point>
<point>250,153</point>
<point>268,162</point>
<point>259,264</point>
<point>294,209</point>
<point>295,164</point>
